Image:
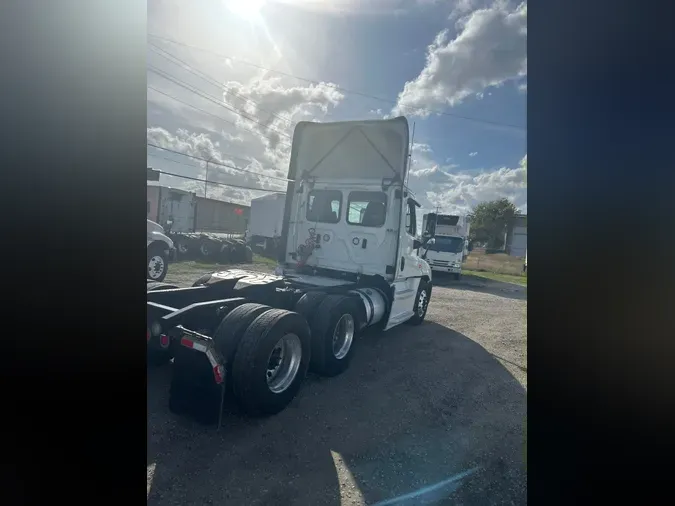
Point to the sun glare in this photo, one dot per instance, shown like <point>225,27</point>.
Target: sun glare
<point>246,9</point>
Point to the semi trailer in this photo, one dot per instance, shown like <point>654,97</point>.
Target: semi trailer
<point>200,227</point>
<point>347,262</point>
<point>266,223</point>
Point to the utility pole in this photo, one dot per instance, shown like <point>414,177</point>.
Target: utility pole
<point>206,179</point>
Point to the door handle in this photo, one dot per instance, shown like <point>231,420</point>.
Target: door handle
<point>402,262</point>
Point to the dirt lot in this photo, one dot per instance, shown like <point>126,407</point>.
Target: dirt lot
<point>417,407</point>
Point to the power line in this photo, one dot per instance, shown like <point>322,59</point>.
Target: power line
<point>220,164</point>
<point>218,183</point>
<point>172,57</point>
<point>340,88</point>
<point>208,97</point>
<point>193,106</point>
<point>204,111</point>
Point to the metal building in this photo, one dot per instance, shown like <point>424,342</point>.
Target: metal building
<point>516,236</point>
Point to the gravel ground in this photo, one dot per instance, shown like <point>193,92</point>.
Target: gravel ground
<point>417,407</point>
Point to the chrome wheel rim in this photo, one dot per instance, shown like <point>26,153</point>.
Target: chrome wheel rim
<point>283,363</point>
<point>343,336</point>
<point>155,267</point>
<point>422,303</point>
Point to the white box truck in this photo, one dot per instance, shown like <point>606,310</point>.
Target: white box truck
<point>266,222</point>
<point>447,239</point>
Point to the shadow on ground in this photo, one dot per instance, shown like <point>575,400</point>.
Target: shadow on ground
<point>481,285</point>
<point>417,406</point>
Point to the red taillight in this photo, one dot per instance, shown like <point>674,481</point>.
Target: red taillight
<point>164,341</point>
<point>147,334</point>
<point>186,342</point>
<point>218,374</point>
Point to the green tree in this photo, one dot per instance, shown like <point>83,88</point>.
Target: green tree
<point>489,221</point>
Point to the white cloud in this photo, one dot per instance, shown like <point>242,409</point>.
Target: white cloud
<point>202,146</point>
<point>474,153</point>
<point>490,49</point>
<point>458,192</point>
<point>275,108</point>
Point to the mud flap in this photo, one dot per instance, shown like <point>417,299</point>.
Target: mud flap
<point>193,390</point>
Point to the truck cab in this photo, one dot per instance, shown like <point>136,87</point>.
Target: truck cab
<point>160,250</point>
<point>349,216</point>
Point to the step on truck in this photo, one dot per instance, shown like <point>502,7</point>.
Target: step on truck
<point>348,261</point>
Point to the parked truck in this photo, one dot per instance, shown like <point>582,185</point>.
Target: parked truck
<point>347,261</point>
<point>266,223</point>
<point>159,250</point>
<point>446,239</point>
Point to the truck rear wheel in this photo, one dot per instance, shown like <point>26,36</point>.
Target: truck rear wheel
<point>421,303</point>
<point>208,248</point>
<point>182,247</point>
<point>271,362</point>
<point>334,327</point>
<point>230,331</point>
<point>158,263</point>
<point>308,303</point>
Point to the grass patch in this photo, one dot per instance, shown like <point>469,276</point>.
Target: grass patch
<point>259,259</point>
<point>494,276</point>
<point>204,265</point>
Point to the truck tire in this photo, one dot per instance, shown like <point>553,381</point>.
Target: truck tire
<point>154,285</point>
<point>182,247</point>
<point>271,362</point>
<point>421,303</point>
<point>230,331</point>
<point>208,248</point>
<point>158,263</point>
<point>248,255</point>
<point>457,276</point>
<point>334,326</point>
<point>308,303</point>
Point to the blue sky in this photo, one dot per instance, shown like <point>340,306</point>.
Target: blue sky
<point>465,58</point>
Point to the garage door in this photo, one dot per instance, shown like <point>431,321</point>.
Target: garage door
<point>519,242</point>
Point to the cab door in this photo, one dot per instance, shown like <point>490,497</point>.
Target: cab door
<point>409,269</point>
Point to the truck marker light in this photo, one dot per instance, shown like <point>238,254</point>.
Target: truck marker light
<point>218,374</point>
<point>147,334</point>
<point>164,341</point>
<point>186,342</point>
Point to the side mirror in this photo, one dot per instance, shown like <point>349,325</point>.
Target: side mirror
<point>426,246</point>
<point>417,244</point>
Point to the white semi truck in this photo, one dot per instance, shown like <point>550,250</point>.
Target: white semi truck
<point>347,261</point>
<point>446,238</point>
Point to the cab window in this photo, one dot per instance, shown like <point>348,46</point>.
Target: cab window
<point>367,209</point>
<point>324,206</point>
<point>411,219</point>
